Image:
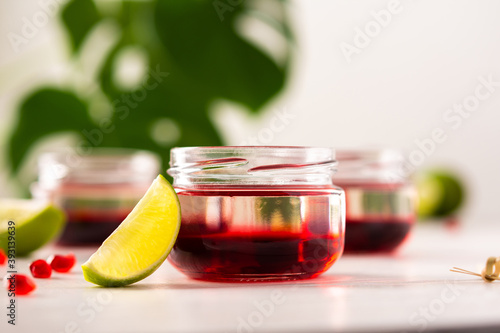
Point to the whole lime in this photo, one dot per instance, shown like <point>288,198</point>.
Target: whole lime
<point>440,192</point>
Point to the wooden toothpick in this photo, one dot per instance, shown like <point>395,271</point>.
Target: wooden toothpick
<point>489,274</point>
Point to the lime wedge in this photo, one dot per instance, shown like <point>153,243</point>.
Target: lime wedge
<point>141,243</point>
<point>36,223</point>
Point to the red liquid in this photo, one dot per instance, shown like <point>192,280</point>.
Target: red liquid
<point>379,216</point>
<point>298,248</point>
<point>263,256</point>
<point>375,236</point>
<point>90,229</point>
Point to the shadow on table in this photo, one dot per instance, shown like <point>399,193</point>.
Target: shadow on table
<point>345,281</point>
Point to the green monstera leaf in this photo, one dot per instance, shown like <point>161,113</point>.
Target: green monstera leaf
<point>47,111</point>
<point>80,17</point>
<point>194,57</point>
<point>211,53</point>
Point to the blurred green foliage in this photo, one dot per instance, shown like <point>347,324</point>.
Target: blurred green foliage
<point>195,55</point>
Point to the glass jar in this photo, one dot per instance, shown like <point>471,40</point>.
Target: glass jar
<point>96,191</point>
<point>380,201</point>
<point>257,213</point>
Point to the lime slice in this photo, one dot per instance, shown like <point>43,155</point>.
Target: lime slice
<point>36,223</point>
<point>141,243</point>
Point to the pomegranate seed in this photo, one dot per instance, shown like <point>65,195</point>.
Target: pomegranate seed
<point>40,269</point>
<point>62,264</point>
<point>19,284</point>
<point>3,257</point>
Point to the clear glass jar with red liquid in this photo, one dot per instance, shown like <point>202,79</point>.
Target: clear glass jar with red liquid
<point>380,200</point>
<point>257,213</point>
<point>96,191</point>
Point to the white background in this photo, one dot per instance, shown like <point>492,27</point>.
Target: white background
<point>395,91</point>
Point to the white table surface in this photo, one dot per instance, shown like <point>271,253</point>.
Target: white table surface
<point>412,291</point>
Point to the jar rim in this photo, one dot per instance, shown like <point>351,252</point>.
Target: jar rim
<point>369,164</point>
<point>379,155</point>
<point>98,152</point>
<point>257,165</point>
<point>102,165</point>
<point>232,149</point>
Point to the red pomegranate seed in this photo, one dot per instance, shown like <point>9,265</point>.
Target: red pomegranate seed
<point>62,264</point>
<point>18,284</point>
<point>3,257</point>
<point>40,269</point>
